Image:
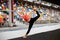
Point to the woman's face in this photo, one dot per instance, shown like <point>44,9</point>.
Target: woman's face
<point>35,8</point>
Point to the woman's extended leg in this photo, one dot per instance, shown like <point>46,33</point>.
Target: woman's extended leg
<point>30,26</point>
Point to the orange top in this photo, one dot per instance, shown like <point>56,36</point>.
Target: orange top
<point>26,17</point>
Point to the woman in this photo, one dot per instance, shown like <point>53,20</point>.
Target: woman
<point>31,21</point>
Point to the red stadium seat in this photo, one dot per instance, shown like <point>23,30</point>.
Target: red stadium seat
<point>1,21</point>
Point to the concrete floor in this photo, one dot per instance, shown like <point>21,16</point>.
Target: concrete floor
<point>51,35</point>
<point>17,33</point>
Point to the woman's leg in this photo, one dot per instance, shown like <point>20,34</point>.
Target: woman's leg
<point>30,26</point>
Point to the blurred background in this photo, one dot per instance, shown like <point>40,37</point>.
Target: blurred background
<point>10,12</point>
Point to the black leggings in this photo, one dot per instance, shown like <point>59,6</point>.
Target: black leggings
<point>31,22</point>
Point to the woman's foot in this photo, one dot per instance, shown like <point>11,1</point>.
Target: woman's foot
<point>25,36</point>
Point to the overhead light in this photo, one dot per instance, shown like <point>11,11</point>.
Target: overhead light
<point>42,3</point>
<point>56,6</point>
<point>48,4</point>
<point>29,0</point>
<point>38,2</point>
